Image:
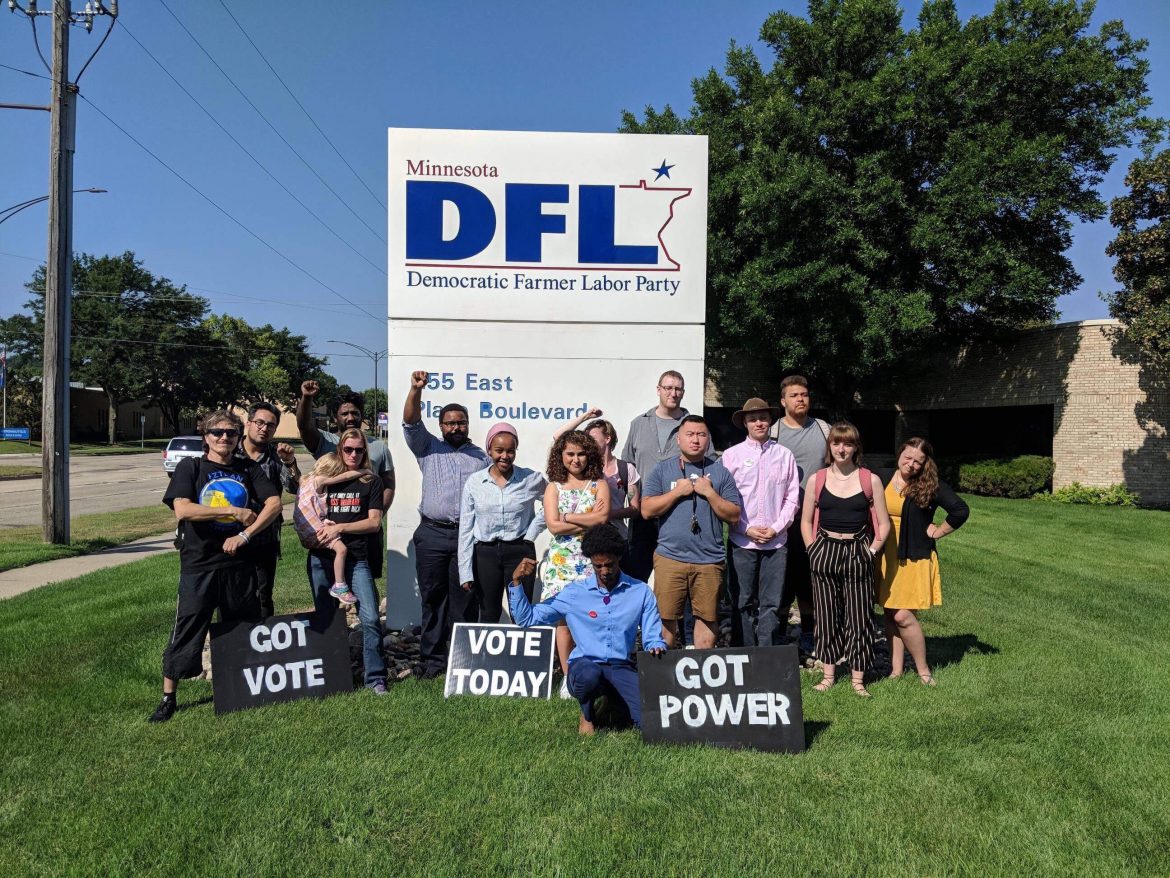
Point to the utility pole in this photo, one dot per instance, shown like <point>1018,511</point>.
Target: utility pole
<point>58,290</point>
<point>59,265</point>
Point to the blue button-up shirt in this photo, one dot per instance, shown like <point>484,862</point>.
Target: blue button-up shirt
<point>444,470</point>
<point>604,632</point>
<point>489,512</point>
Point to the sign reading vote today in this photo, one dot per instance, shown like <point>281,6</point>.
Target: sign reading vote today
<point>280,659</point>
<point>726,697</point>
<point>500,660</point>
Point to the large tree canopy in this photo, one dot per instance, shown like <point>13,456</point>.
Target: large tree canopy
<point>141,337</point>
<point>1142,251</point>
<point>878,190</point>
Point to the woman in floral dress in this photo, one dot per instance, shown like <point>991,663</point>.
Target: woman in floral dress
<point>576,499</point>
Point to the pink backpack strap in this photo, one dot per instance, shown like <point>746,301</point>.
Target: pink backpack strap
<point>867,490</point>
<point>818,486</point>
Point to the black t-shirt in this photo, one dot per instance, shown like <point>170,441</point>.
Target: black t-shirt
<point>349,502</point>
<point>240,483</point>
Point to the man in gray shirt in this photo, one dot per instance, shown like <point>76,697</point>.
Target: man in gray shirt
<point>807,439</point>
<point>649,441</point>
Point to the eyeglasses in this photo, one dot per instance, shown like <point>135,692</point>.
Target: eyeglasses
<point>263,425</point>
<point>356,449</point>
<point>671,389</point>
<point>453,424</point>
<point>219,433</point>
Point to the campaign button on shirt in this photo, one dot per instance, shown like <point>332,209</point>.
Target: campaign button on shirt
<point>593,614</point>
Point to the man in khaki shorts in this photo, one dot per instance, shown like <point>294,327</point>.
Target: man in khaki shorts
<point>691,495</point>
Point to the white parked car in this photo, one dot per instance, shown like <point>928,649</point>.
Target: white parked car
<point>180,447</point>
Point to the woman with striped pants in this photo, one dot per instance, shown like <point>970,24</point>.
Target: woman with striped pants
<point>844,524</point>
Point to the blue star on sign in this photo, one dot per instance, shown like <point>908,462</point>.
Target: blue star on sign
<point>663,170</point>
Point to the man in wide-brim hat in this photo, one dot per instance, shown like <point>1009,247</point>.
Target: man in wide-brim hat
<point>766,476</point>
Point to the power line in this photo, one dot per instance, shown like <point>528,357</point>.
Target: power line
<point>357,176</point>
<point>216,347</point>
<point>304,161</point>
<point>248,153</point>
<point>214,204</point>
<point>26,72</point>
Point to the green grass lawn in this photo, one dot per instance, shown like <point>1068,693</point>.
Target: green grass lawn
<point>19,472</point>
<point>21,546</point>
<point>7,446</point>
<point>1043,750</point>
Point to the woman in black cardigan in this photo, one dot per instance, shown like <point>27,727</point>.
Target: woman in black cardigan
<point>908,577</point>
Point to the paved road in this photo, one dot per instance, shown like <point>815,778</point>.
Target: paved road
<point>96,484</point>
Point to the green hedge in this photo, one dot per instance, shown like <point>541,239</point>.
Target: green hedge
<point>1015,477</point>
<point>1114,495</point>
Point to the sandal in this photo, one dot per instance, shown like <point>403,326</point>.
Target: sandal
<point>927,679</point>
<point>859,689</point>
<point>826,683</point>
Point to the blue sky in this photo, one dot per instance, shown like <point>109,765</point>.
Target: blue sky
<point>359,67</point>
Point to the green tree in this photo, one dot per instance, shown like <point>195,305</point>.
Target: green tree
<point>1142,251</point>
<point>126,323</point>
<point>265,364</point>
<point>878,190</point>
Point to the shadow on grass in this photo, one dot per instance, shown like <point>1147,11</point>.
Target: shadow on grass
<point>198,702</point>
<point>813,730</point>
<point>951,650</point>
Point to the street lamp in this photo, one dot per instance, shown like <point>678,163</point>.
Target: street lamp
<point>375,356</point>
<point>9,212</point>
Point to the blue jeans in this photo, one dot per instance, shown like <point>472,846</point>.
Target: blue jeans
<point>617,681</point>
<point>361,583</point>
<point>756,582</point>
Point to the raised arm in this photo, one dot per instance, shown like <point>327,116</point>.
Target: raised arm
<point>412,408</point>
<point>310,435</point>
<point>576,422</point>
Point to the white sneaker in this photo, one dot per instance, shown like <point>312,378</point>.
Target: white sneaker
<point>565,690</point>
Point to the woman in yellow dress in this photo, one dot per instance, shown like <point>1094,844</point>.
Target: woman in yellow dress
<point>908,577</point>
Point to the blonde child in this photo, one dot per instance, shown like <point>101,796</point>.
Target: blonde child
<point>310,512</point>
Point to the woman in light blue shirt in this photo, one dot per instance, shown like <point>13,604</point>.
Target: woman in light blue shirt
<point>498,523</point>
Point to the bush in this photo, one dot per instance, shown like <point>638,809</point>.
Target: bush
<point>1114,495</point>
<point>1015,477</point>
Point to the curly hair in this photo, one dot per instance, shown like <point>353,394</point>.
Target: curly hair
<point>922,488</point>
<point>605,539</point>
<point>557,472</point>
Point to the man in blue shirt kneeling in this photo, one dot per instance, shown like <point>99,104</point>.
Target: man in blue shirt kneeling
<point>603,612</point>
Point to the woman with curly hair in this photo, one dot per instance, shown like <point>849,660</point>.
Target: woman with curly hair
<point>576,499</point>
<point>908,578</point>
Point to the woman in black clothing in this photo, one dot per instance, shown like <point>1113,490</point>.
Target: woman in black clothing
<point>844,524</point>
<point>909,578</point>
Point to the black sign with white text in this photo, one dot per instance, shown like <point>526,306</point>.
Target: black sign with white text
<point>500,660</point>
<point>279,659</point>
<point>726,697</point>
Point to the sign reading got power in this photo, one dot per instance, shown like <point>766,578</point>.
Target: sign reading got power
<point>727,697</point>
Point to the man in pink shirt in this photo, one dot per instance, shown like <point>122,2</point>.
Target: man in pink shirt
<point>765,474</point>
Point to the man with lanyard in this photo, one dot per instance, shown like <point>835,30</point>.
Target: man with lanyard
<point>766,478</point>
<point>603,611</point>
<point>215,498</point>
<point>651,440</point>
<point>446,465</point>
<point>349,416</point>
<point>279,463</point>
<point>807,438</point>
<point>692,495</point>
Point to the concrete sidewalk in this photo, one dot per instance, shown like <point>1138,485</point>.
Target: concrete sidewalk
<point>22,579</point>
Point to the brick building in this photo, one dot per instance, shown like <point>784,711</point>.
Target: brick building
<point>1074,391</point>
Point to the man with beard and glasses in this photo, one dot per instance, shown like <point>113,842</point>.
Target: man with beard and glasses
<point>446,463</point>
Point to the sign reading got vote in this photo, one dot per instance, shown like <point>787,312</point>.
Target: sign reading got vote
<point>726,697</point>
<point>500,660</point>
<point>280,659</point>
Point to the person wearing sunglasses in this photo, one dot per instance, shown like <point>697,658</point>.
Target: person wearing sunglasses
<point>348,414</point>
<point>222,503</point>
<point>446,463</point>
<point>604,611</point>
<point>279,462</point>
<point>353,512</point>
<point>692,496</point>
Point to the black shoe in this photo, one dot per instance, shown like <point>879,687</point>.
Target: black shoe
<point>165,710</point>
<point>432,673</point>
